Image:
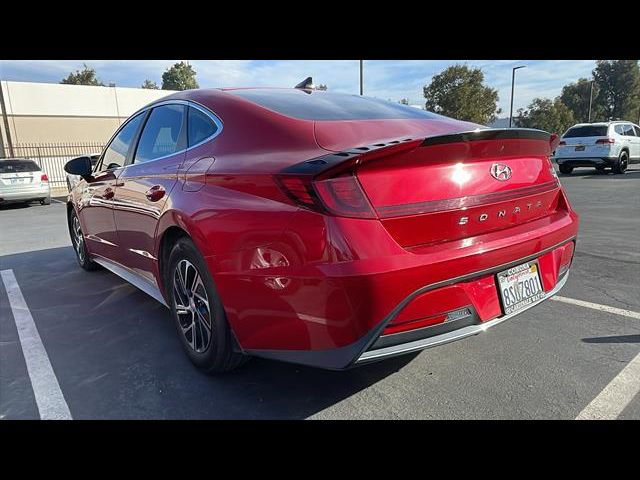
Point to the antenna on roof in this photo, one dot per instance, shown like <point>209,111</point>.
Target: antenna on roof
<point>307,83</point>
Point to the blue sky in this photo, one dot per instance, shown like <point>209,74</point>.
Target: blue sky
<point>388,79</point>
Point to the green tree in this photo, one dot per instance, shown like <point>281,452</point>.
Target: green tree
<point>86,76</point>
<point>553,116</point>
<point>180,76</point>
<point>404,101</point>
<point>150,85</point>
<point>459,92</point>
<point>576,97</point>
<point>619,82</point>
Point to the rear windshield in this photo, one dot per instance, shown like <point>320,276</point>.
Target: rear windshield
<point>587,131</point>
<point>318,105</point>
<point>17,166</point>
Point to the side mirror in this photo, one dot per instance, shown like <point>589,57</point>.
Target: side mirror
<point>79,166</point>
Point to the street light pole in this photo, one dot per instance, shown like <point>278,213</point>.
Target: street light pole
<point>590,101</point>
<point>513,82</point>
<point>361,80</point>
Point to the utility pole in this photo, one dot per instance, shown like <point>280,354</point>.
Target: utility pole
<point>513,82</point>
<point>361,78</point>
<point>590,101</point>
<point>5,120</point>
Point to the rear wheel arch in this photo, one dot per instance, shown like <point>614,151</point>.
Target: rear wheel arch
<point>168,239</point>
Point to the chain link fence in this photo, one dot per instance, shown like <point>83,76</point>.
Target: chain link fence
<point>52,156</point>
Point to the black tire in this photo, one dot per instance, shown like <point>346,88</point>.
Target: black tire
<point>79,246</point>
<point>623,162</point>
<point>566,170</point>
<point>45,201</point>
<point>201,324</point>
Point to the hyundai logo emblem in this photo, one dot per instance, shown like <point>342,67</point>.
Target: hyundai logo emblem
<point>500,171</point>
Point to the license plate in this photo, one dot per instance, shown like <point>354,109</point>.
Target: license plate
<point>519,287</point>
<point>580,148</point>
<point>17,180</point>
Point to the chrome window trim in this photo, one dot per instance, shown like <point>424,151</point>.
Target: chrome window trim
<point>188,103</point>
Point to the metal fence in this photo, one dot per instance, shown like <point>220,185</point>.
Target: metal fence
<point>52,156</point>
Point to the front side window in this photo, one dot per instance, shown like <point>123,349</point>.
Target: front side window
<point>162,134</point>
<point>201,126</point>
<point>637,129</point>
<point>116,153</point>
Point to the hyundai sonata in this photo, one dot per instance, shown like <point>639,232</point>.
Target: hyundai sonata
<point>321,228</point>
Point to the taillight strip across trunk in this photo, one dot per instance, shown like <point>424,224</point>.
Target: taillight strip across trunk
<point>390,211</point>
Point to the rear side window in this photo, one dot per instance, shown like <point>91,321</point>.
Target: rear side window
<point>18,166</point>
<point>587,131</point>
<point>162,134</point>
<point>619,129</point>
<point>316,105</point>
<point>628,131</point>
<point>200,127</point>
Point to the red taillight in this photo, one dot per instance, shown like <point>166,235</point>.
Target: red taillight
<point>341,196</point>
<point>562,142</point>
<point>602,141</point>
<point>299,190</point>
<point>44,178</point>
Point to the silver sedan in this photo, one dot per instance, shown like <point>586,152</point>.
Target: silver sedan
<point>22,180</point>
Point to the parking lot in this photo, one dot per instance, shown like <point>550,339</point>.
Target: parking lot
<point>115,354</point>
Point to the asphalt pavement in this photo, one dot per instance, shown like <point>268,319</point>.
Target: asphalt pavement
<point>115,353</point>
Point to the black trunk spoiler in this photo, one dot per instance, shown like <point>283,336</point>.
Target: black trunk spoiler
<point>333,163</point>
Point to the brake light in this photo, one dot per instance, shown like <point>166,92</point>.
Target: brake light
<point>44,178</point>
<point>341,196</point>
<point>299,190</point>
<point>602,141</point>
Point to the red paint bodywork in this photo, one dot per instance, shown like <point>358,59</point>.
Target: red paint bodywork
<point>342,276</point>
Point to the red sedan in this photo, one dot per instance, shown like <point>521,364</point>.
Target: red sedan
<point>321,228</point>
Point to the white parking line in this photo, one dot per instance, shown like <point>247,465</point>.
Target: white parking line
<point>49,399</point>
<point>597,306</point>
<point>616,396</point>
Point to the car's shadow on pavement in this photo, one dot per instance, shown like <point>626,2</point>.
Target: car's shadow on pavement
<point>116,354</point>
<point>17,205</point>
<point>614,339</point>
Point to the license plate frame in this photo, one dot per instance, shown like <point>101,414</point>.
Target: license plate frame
<point>517,298</point>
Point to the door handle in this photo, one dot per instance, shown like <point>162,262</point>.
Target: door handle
<point>155,193</point>
<point>108,193</point>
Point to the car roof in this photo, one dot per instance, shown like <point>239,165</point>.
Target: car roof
<point>600,124</point>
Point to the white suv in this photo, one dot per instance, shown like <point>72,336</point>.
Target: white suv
<point>599,145</point>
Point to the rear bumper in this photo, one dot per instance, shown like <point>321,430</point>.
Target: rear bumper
<point>25,193</point>
<point>375,345</point>
<point>452,336</point>
<point>587,161</point>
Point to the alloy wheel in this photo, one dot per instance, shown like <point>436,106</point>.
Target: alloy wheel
<point>192,305</point>
<point>78,238</point>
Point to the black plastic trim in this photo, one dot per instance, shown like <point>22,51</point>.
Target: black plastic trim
<point>488,134</point>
